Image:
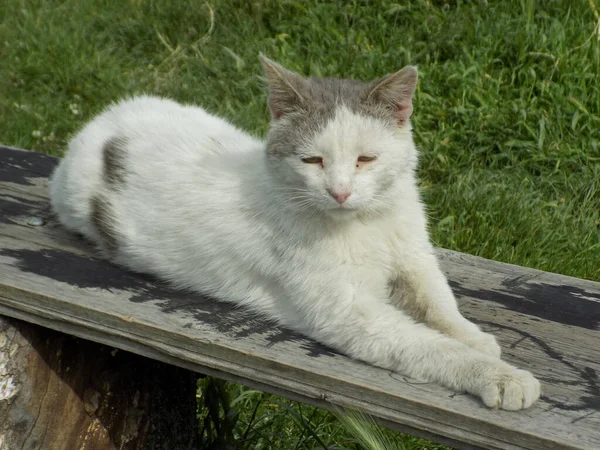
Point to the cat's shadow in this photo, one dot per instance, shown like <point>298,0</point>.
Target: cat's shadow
<point>86,272</point>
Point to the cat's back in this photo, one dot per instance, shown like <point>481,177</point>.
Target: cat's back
<point>164,125</point>
<point>159,128</point>
<point>149,139</point>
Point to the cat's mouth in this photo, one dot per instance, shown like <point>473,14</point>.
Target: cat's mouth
<point>342,209</point>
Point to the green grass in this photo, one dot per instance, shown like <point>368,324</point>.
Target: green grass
<point>507,114</point>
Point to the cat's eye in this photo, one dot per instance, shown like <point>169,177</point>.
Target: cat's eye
<point>365,159</point>
<point>313,160</point>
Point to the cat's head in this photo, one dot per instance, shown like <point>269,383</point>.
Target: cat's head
<point>340,146</point>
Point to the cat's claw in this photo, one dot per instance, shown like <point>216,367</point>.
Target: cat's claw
<point>511,389</point>
<point>483,342</point>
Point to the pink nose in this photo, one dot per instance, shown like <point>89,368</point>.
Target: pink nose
<point>339,196</point>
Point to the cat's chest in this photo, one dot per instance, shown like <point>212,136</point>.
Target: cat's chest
<point>360,256</point>
<point>363,255</point>
<point>358,251</point>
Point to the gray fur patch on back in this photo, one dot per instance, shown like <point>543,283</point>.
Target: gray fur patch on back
<point>114,160</point>
<point>104,221</point>
<point>321,97</point>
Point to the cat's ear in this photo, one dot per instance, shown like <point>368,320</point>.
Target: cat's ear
<point>285,88</point>
<point>397,90</point>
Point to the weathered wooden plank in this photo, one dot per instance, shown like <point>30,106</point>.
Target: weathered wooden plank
<point>546,323</point>
<point>20,172</point>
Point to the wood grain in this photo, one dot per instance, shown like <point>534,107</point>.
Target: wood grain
<point>546,323</point>
<point>61,393</point>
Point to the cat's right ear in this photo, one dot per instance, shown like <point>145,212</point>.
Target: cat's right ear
<point>285,88</point>
<point>397,91</point>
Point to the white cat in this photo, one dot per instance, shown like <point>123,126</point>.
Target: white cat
<point>320,227</point>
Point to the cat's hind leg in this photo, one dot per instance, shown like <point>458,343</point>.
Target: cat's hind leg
<point>83,184</point>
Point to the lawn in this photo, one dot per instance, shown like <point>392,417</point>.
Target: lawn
<point>507,114</point>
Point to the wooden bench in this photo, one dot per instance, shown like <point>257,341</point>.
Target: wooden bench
<point>546,323</point>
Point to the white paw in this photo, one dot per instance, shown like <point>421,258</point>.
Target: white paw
<point>510,388</point>
<point>483,342</point>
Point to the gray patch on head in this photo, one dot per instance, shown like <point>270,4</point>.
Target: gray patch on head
<point>114,152</point>
<point>321,98</point>
<point>103,219</point>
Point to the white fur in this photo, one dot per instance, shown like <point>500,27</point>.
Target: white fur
<point>203,207</point>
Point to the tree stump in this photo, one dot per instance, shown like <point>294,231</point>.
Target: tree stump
<point>62,392</point>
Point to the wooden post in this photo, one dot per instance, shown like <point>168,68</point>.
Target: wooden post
<point>62,392</point>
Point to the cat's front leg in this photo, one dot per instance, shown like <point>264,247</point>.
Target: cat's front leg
<point>363,326</point>
<point>422,289</point>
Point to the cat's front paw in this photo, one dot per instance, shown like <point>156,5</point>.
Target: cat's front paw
<point>510,388</point>
<point>483,342</point>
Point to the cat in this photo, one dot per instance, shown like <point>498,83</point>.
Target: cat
<point>320,227</point>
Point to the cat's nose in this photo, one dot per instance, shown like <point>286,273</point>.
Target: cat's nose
<point>339,196</point>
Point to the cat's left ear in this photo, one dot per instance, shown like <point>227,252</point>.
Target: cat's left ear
<point>285,88</point>
<point>397,90</point>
